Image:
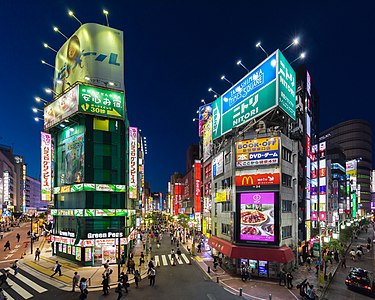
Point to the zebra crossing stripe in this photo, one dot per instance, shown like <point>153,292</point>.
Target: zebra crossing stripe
<point>185,258</point>
<point>30,283</point>
<point>157,262</point>
<point>179,260</point>
<point>170,258</point>
<point>164,259</point>
<point>22,292</point>
<point>9,297</point>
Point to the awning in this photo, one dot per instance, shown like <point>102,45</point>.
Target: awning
<point>280,254</point>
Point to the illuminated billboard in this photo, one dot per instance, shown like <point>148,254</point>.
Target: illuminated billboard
<point>71,168</point>
<point>258,217</point>
<point>133,162</point>
<point>322,181</point>
<point>218,164</point>
<point>255,152</point>
<point>87,100</point>
<point>205,113</point>
<point>258,179</point>
<point>93,54</point>
<point>207,139</point>
<point>197,187</point>
<point>272,83</point>
<point>46,166</point>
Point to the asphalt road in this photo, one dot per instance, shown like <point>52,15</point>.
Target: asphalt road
<point>337,288</point>
<point>183,282</point>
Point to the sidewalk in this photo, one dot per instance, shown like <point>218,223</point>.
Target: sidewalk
<point>64,282</point>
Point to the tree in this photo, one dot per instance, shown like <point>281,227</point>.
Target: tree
<point>346,234</point>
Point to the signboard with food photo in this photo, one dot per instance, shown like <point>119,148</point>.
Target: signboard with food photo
<point>257,217</point>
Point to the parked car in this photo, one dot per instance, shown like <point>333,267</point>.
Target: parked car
<point>360,279</point>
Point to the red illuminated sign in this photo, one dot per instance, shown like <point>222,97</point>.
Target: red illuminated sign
<point>258,179</point>
<point>197,186</point>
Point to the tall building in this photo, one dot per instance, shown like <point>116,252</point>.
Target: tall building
<point>90,150</point>
<point>192,154</point>
<point>355,137</point>
<point>34,201</point>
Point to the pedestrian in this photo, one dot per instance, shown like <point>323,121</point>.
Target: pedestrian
<point>189,250</point>
<point>18,237</point>
<point>360,248</point>
<point>15,267</point>
<point>75,281</point>
<point>172,240</point>
<point>173,257</point>
<point>336,256</point>
<point>352,254</point>
<point>106,264</point>
<point>368,247</point>
<point>308,262</point>
<point>132,266</point>
<point>105,283</point>
<point>37,254</point>
<point>368,240</point>
<point>359,254</point>
<point>282,278</point>
<point>137,278</point>
<point>343,262</point>
<point>7,245</point>
<point>4,277</point>
<point>289,280</point>
<point>122,259</point>
<point>215,263</point>
<point>151,275</point>
<point>119,290</point>
<point>151,263</point>
<point>2,296</point>
<point>178,253</point>
<point>124,280</point>
<point>141,259</point>
<point>83,288</point>
<point>199,247</point>
<point>56,268</point>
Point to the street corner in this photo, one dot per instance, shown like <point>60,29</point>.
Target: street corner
<point>47,270</point>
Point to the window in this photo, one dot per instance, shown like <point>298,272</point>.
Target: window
<point>286,154</point>
<point>286,232</point>
<point>215,206</point>
<point>215,229</point>
<point>215,187</point>
<point>226,183</point>
<point>227,158</point>
<point>286,206</point>
<point>225,229</point>
<point>226,206</point>
<point>286,180</point>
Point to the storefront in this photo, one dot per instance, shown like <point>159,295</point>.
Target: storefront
<point>91,252</point>
<point>264,261</point>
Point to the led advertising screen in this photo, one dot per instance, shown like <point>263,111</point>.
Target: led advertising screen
<point>258,217</point>
<point>93,54</point>
<point>46,180</point>
<point>218,164</point>
<point>197,176</point>
<point>272,83</point>
<point>133,162</point>
<point>262,151</point>
<point>72,161</point>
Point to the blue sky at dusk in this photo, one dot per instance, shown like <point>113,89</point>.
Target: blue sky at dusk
<point>175,51</point>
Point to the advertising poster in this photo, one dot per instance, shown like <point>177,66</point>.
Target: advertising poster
<point>72,161</point>
<point>257,217</point>
<point>205,113</point>
<point>93,54</point>
<point>207,139</point>
<point>218,164</point>
<point>46,180</point>
<point>133,162</point>
<point>60,109</point>
<point>262,151</point>
<point>88,254</point>
<point>109,253</point>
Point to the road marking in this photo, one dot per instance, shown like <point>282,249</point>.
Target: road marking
<point>17,246</point>
<point>185,258</point>
<point>179,260</point>
<point>157,262</point>
<point>8,256</point>
<point>292,294</point>
<point>22,292</point>
<point>9,297</point>
<point>211,297</point>
<point>12,251</point>
<point>30,283</point>
<point>164,259</point>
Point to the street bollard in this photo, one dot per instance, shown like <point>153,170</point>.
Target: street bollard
<point>208,270</point>
<point>270,296</point>
<point>217,279</point>
<point>240,291</point>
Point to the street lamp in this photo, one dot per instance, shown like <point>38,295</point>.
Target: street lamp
<point>105,12</point>
<point>70,13</point>
<point>211,90</point>
<point>57,30</point>
<point>47,64</point>
<point>47,46</point>
<point>49,91</point>
<point>203,101</point>
<point>294,42</point>
<point>239,63</point>
<point>34,109</point>
<point>38,99</point>
<point>301,56</point>
<point>258,45</point>
<point>37,119</point>
<point>226,79</point>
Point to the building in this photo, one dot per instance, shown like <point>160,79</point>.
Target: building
<point>91,150</point>
<point>34,201</point>
<point>355,137</point>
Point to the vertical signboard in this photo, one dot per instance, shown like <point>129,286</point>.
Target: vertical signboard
<point>322,182</point>
<point>218,164</point>
<point>46,180</point>
<point>207,139</point>
<point>24,189</point>
<point>133,161</point>
<point>314,183</point>
<point>6,188</point>
<point>351,174</point>
<point>205,113</point>
<point>197,186</point>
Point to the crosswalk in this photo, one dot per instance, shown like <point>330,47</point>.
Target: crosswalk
<point>18,284</point>
<point>167,260</point>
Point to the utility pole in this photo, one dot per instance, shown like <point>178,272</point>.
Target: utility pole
<point>31,233</point>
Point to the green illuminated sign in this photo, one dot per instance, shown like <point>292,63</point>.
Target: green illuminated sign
<point>287,86</point>
<point>97,101</point>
